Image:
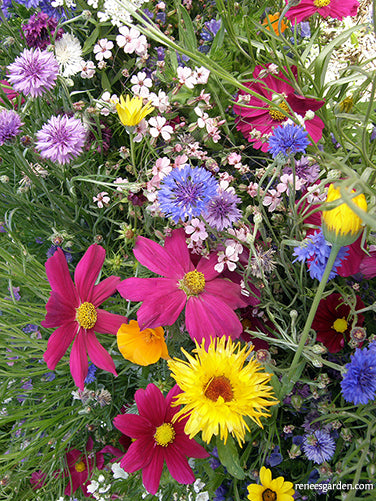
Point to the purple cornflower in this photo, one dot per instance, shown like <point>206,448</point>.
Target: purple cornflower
<point>222,211</point>
<point>51,251</point>
<point>318,446</point>
<point>61,139</point>
<point>90,378</point>
<point>359,383</point>
<point>40,30</point>
<point>16,293</point>
<point>33,72</point>
<point>305,169</point>
<point>185,193</point>
<point>10,124</point>
<point>288,140</point>
<point>210,29</point>
<point>315,250</point>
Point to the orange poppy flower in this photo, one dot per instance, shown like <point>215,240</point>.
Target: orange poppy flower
<point>141,347</point>
<point>274,20</point>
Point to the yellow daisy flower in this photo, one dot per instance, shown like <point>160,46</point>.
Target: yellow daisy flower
<point>132,111</point>
<point>271,490</point>
<point>220,388</point>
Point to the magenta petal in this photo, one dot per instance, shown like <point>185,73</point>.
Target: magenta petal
<point>368,266</point>
<point>188,445</point>
<point>78,361</point>
<point>206,266</point>
<point>138,289</point>
<point>151,474</point>
<point>87,271</point>
<point>134,426</point>
<point>161,310</point>
<point>108,323</point>
<point>301,104</point>
<point>351,264</point>
<point>58,312</point>
<point>59,277</point>
<point>178,466</point>
<point>139,455</point>
<point>157,259</point>
<point>58,343</point>
<point>151,404</point>
<point>314,128</point>
<point>176,246</point>
<point>104,290</point>
<point>97,354</point>
<point>226,291</point>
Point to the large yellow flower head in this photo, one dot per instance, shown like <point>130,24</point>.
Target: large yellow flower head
<point>271,490</point>
<point>220,388</point>
<point>132,111</point>
<point>341,225</point>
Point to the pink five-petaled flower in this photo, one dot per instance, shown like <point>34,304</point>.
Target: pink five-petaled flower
<point>210,301</point>
<point>73,308</point>
<point>257,119</point>
<point>337,9</point>
<point>157,439</point>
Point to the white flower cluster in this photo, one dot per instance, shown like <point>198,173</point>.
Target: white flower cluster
<point>119,12</point>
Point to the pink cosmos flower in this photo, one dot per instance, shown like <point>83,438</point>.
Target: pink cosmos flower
<point>257,120</point>
<point>337,9</point>
<point>157,439</point>
<point>209,301</point>
<point>73,308</point>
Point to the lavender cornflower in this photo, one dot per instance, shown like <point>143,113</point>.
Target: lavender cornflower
<point>40,29</point>
<point>90,378</point>
<point>315,250</point>
<point>359,383</point>
<point>185,193</point>
<point>318,446</point>
<point>61,139</point>
<point>222,211</point>
<point>288,139</point>
<point>10,124</point>
<point>33,72</point>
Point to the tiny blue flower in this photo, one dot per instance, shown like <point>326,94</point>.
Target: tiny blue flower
<point>359,383</point>
<point>288,139</point>
<point>318,446</point>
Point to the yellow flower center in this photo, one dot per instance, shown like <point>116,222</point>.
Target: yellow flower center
<point>86,315</point>
<point>219,386</point>
<point>164,434</point>
<point>80,466</point>
<point>269,495</point>
<point>340,325</point>
<point>193,283</point>
<point>149,335</point>
<point>321,3</point>
<point>277,115</point>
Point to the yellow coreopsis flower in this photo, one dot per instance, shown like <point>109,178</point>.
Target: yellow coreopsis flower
<point>271,490</point>
<point>220,388</point>
<point>341,225</point>
<point>132,111</point>
<point>142,347</point>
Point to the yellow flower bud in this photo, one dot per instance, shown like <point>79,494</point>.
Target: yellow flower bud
<point>132,111</point>
<point>341,225</point>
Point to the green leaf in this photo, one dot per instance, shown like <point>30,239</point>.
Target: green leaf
<point>229,457</point>
<point>89,42</point>
<point>187,33</point>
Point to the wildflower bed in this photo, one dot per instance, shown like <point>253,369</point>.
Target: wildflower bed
<point>188,259</point>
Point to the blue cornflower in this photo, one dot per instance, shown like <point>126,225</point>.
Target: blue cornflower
<point>186,192</point>
<point>90,378</point>
<point>210,29</point>
<point>318,446</point>
<point>222,211</point>
<point>275,458</point>
<point>359,383</point>
<point>288,139</point>
<point>10,125</point>
<point>315,250</point>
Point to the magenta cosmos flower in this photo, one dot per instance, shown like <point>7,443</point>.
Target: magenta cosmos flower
<point>337,9</point>
<point>157,439</point>
<point>73,308</point>
<point>256,119</point>
<point>209,301</point>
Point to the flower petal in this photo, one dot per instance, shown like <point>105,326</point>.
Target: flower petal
<point>108,323</point>
<point>104,290</point>
<point>87,271</point>
<point>58,311</point>
<point>226,291</point>
<point>157,259</point>
<point>78,360</point>
<point>138,289</point>
<point>151,474</point>
<point>160,310</point>
<point>139,455</point>
<point>176,246</point>
<point>59,277</point>
<point>58,343</point>
<point>151,404</point>
<point>134,426</point>
<point>97,354</point>
<point>206,266</point>
<point>177,465</point>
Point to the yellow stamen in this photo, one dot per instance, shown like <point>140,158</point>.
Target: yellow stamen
<point>86,315</point>
<point>164,434</point>
<point>80,466</point>
<point>278,115</point>
<point>193,283</point>
<point>321,3</point>
<point>340,325</point>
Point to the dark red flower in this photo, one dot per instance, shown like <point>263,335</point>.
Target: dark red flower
<point>333,321</point>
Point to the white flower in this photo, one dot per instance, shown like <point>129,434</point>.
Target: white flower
<point>202,75</point>
<point>93,3</point>
<point>186,76</point>
<point>131,40</point>
<point>162,167</point>
<point>93,486</point>
<point>63,3</point>
<point>198,485</point>
<point>118,471</point>
<point>203,496</point>
<point>87,69</point>
<point>141,84</point>
<point>102,49</point>
<point>68,52</point>
<point>102,199</point>
<point>158,127</point>
<point>119,13</point>
<point>272,200</point>
<point>202,117</point>
<point>161,101</point>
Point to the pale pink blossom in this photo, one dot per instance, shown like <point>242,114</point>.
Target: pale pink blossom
<point>212,130</point>
<point>131,40</point>
<point>180,160</point>
<point>202,75</point>
<point>234,158</point>
<point>272,200</point>
<point>87,69</point>
<point>102,49</point>
<point>158,127</point>
<point>141,83</point>
<point>252,189</point>
<point>160,101</point>
<point>315,195</point>
<point>196,229</point>
<point>287,180</point>
<point>102,199</point>
<point>186,76</point>
<point>140,131</point>
<point>202,117</point>
<point>224,260</point>
<point>162,167</point>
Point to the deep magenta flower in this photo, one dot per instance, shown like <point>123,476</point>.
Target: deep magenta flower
<point>73,308</point>
<point>257,120</point>
<point>157,439</point>
<point>209,301</point>
<point>337,9</point>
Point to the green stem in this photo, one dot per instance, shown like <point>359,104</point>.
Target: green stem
<point>131,148</point>
<point>312,312</point>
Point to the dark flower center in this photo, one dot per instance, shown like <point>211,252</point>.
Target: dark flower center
<point>269,495</point>
<point>219,386</point>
